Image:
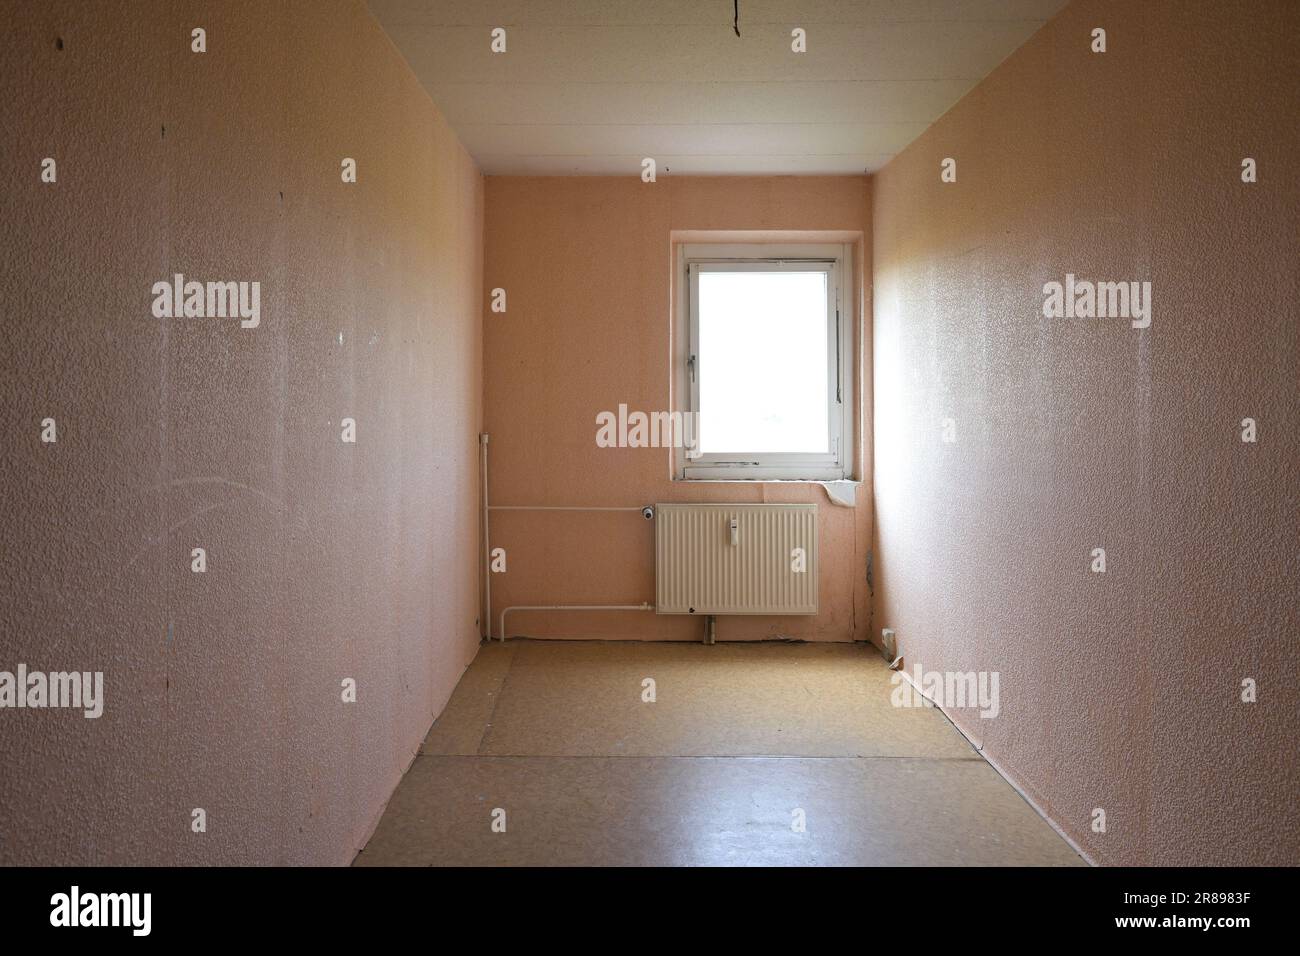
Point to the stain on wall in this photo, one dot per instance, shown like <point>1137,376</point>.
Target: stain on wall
<point>325,560</point>
<point>1119,690</point>
<point>586,263</point>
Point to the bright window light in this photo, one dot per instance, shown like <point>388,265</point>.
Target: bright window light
<point>762,363</point>
<point>766,362</point>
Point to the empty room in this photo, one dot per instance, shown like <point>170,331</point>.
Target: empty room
<point>630,435</point>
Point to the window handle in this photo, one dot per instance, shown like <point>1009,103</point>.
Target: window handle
<point>690,363</point>
<point>839,360</point>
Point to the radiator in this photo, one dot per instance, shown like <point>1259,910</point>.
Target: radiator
<point>735,559</point>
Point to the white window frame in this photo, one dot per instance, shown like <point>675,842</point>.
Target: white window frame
<point>835,259</point>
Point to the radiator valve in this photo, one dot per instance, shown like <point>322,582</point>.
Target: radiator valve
<point>648,512</point>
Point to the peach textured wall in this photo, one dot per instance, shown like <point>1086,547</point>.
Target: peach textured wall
<point>586,265</point>
<point>325,560</point>
<point>1120,690</point>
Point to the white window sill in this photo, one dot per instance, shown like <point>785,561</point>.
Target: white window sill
<point>840,491</point>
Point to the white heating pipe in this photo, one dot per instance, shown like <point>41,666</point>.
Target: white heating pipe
<point>487,556</point>
<point>570,607</point>
<point>557,508</point>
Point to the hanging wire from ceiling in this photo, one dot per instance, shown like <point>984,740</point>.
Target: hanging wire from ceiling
<point>735,23</point>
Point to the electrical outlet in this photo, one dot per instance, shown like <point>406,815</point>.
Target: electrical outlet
<point>890,641</point>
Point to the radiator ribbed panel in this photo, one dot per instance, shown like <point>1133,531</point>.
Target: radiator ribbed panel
<point>698,570</point>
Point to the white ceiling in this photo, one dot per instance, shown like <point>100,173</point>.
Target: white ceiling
<point>591,87</point>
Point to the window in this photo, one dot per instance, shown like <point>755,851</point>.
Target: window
<point>767,363</point>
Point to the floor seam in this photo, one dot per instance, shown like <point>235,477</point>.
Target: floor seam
<point>501,689</point>
<point>975,759</point>
<point>744,798</point>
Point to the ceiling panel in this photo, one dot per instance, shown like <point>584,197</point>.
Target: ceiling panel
<point>706,12</point>
<point>700,103</point>
<point>592,86</point>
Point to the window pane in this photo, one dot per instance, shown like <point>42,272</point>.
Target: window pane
<point>763,362</point>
